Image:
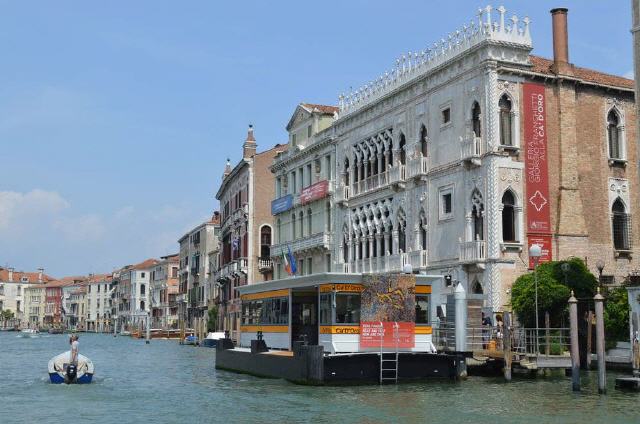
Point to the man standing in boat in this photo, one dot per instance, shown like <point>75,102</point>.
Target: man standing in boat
<point>73,340</point>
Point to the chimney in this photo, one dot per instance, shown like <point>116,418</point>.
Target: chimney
<point>561,63</point>
<point>249,146</point>
<point>40,272</point>
<point>227,169</point>
<point>10,269</point>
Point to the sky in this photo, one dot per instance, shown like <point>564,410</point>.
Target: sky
<point>116,118</point>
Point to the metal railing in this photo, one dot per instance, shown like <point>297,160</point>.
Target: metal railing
<point>524,341</point>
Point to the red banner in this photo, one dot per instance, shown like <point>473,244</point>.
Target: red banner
<point>387,334</point>
<point>537,175</point>
<point>314,192</point>
<point>544,241</point>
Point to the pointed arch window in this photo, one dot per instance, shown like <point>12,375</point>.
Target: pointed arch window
<point>423,230</point>
<point>509,233</point>
<point>423,141</point>
<point>475,120</point>
<point>477,214</point>
<point>265,241</point>
<point>621,226</point>
<point>403,154</point>
<point>506,136</point>
<point>614,135</point>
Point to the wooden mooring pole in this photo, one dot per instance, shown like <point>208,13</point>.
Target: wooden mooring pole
<point>506,320</point>
<point>547,335</point>
<point>589,338</point>
<point>602,378</point>
<point>575,350</point>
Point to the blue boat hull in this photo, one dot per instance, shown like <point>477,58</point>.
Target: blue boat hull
<point>58,378</point>
<point>209,343</point>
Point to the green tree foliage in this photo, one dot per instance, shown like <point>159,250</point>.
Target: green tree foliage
<point>7,315</point>
<point>553,292</point>
<point>616,314</point>
<point>212,322</point>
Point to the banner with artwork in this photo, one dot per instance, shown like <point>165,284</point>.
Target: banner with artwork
<point>388,311</point>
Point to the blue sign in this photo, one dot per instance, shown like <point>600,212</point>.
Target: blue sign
<point>282,204</point>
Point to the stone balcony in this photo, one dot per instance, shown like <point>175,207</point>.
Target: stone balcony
<point>418,167</point>
<point>471,150</point>
<point>392,263</point>
<point>472,251</point>
<point>265,265</point>
<point>314,241</point>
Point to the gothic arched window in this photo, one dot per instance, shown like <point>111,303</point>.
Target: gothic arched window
<point>423,141</point>
<point>506,138</point>
<point>475,120</point>
<point>621,225</point>
<point>403,154</point>
<point>477,214</point>
<point>265,241</point>
<point>613,135</point>
<point>509,217</point>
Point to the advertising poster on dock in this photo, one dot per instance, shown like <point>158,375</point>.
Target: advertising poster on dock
<point>536,170</point>
<point>388,311</point>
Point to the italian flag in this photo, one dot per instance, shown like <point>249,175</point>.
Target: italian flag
<point>285,262</point>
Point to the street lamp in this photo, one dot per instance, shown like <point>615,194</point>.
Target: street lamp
<point>535,251</point>
<point>600,266</point>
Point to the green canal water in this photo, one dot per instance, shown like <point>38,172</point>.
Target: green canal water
<point>166,383</point>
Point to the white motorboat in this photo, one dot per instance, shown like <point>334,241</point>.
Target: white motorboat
<point>62,371</point>
<point>29,332</point>
<point>212,339</point>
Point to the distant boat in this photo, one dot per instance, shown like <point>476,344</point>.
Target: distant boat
<point>212,339</point>
<point>190,340</point>
<point>29,332</point>
<point>56,330</point>
<point>60,371</point>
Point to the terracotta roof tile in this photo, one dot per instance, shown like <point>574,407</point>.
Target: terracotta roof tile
<point>17,276</point>
<point>543,66</point>
<point>321,108</point>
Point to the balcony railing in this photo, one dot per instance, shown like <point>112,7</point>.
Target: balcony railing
<point>391,263</point>
<point>471,149</point>
<point>418,167</point>
<point>323,240</point>
<point>343,193</point>
<point>418,259</point>
<point>397,174</point>
<point>472,251</point>
<point>265,265</point>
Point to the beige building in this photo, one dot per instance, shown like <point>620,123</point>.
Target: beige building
<point>246,231</point>
<point>34,304</point>
<point>304,189</point>
<point>12,290</point>
<point>194,268</point>
<point>164,289</point>
<point>98,303</point>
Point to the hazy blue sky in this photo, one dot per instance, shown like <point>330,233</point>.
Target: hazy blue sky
<point>116,117</point>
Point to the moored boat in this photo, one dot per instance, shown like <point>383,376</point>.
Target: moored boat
<point>56,330</point>
<point>62,371</point>
<point>212,339</point>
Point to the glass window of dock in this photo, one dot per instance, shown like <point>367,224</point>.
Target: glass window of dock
<point>325,309</point>
<point>422,308</point>
<point>347,308</point>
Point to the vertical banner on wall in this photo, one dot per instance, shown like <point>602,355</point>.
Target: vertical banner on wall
<point>536,169</point>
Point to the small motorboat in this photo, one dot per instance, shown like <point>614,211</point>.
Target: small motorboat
<point>56,330</point>
<point>212,339</point>
<point>190,340</point>
<point>62,371</point>
<point>29,332</point>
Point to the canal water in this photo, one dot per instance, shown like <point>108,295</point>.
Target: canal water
<point>164,382</point>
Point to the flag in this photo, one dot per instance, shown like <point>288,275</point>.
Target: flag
<point>285,262</point>
<point>292,262</point>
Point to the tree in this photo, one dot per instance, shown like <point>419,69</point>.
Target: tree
<point>553,291</point>
<point>212,322</point>
<point>7,315</point>
<point>616,314</point>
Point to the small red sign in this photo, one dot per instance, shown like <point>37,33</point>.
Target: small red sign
<point>544,241</point>
<point>387,334</point>
<point>314,192</point>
